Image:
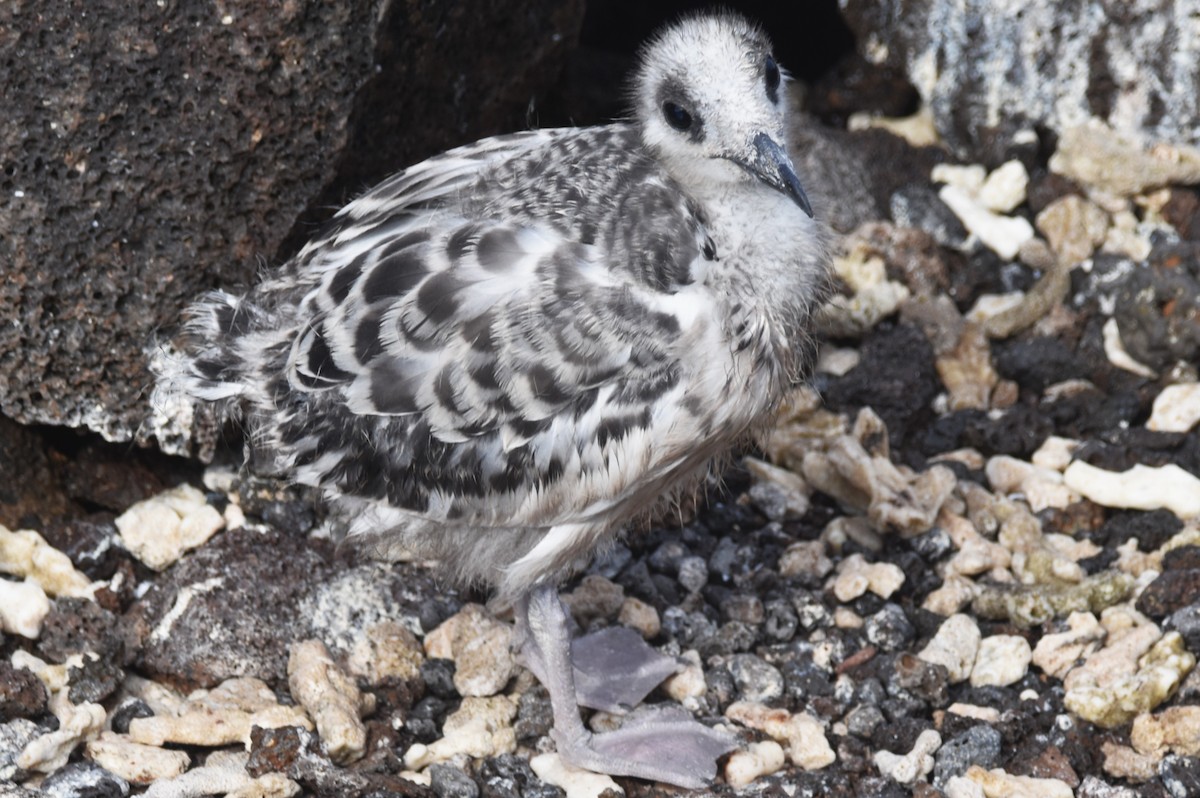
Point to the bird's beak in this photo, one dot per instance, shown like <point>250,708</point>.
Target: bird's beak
<point>770,164</point>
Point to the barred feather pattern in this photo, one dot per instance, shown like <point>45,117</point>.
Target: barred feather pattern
<point>501,355</point>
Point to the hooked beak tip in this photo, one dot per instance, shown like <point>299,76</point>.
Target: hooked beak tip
<point>772,166</point>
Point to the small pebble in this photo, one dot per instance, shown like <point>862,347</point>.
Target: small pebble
<point>1175,730</point>
<point>448,781</point>
<point>914,765</point>
<point>693,573</point>
<point>1176,409</point>
<point>84,780</point>
<point>805,558</point>
<point>1057,653</point>
<point>1005,187</point>
<point>159,530</point>
<point>388,650</point>
<point>1004,235</point>
<point>481,648</point>
<point>23,607</point>
<point>577,783</point>
<point>979,745</point>
<point>759,759</point>
<point>802,734</point>
<point>954,646</point>
<point>595,598</point>
<point>756,680</point>
<point>640,616</point>
<point>1002,660</point>
<point>856,576</point>
<point>889,629</point>
<point>25,553</point>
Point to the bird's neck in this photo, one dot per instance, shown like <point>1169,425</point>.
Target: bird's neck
<point>770,264</point>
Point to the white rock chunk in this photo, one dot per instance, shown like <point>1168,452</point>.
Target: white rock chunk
<point>1005,187</point>
<point>955,646</point>
<point>161,529</point>
<point>76,724</point>
<point>1002,660</point>
<point>576,783</point>
<point>914,765</point>
<point>26,553</point>
<point>759,759</point>
<point>23,607</point>
<point>332,700</point>
<point>1004,235</point>
<point>1176,409</point>
<point>803,734</point>
<point>1140,488</point>
<point>1114,349</point>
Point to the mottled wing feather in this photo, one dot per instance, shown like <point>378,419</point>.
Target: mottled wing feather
<point>456,359</point>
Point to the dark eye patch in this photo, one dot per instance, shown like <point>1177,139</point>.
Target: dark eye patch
<point>772,79</point>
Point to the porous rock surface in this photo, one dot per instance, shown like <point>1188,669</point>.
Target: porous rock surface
<point>151,152</point>
<point>995,67</point>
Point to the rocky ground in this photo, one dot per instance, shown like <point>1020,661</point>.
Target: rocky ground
<point>965,563</point>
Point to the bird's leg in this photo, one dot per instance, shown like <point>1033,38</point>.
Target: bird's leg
<point>663,745</point>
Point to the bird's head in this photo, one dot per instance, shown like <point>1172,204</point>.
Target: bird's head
<point>710,103</point>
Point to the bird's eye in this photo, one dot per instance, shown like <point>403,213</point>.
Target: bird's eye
<point>772,77</point>
<point>676,116</point>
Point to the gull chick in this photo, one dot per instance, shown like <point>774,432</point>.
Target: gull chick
<point>502,356</point>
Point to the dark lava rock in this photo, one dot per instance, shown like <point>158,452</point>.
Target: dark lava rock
<point>31,493</point>
<point>1180,775</point>
<point>855,84</point>
<point>895,377</point>
<point>879,787</point>
<point>1186,621</point>
<point>97,679</point>
<point>900,735</point>
<point>535,715</point>
<point>755,679</point>
<point>509,776</point>
<point>918,206</point>
<point>1150,529</point>
<point>1045,762</point>
<point>425,720</point>
<point>1172,590</point>
<point>141,138</point>
<point>863,720</point>
<point>129,709</point>
<point>79,626</point>
<point>779,625</point>
<point>1181,559</point>
<point>448,781</point>
<point>297,753</point>
<point>1183,212</point>
<point>438,675</point>
<point>91,543</point>
<point>889,629</point>
<point>836,170</point>
<point>84,780</point>
<point>925,680</point>
<point>996,65</point>
<point>242,610</point>
<point>1034,363</point>
<point>978,745</point>
<point>22,694</point>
